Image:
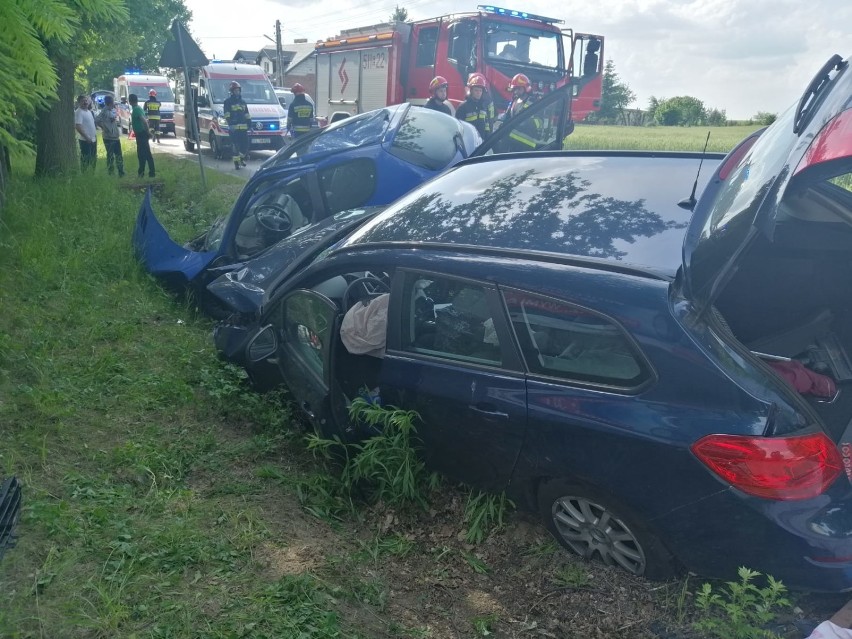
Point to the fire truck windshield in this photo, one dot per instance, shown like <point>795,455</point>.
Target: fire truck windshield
<point>523,45</point>
<point>253,91</point>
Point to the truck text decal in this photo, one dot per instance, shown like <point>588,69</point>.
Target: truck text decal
<point>373,60</point>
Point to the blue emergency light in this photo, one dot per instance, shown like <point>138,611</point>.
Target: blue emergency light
<point>523,15</point>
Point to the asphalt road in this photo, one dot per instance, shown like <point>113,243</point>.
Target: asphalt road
<point>174,146</point>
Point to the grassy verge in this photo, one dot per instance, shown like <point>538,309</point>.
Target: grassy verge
<point>146,513</point>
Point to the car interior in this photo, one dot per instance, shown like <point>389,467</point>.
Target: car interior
<point>791,297</point>
<point>272,214</point>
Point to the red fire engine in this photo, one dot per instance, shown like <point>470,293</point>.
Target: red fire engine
<point>371,67</point>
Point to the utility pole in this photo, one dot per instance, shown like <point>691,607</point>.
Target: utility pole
<point>278,52</point>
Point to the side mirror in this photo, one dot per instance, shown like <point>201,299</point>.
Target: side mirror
<point>262,346</point>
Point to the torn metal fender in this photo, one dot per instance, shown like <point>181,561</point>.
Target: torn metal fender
<point>159,254</point>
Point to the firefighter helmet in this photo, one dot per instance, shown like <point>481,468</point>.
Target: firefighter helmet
<point>476,80</point>
<point>297,89</point>
<point>152,93</point>
<point>437,82</point>
<point>234,85</point>
<point>520,81</point>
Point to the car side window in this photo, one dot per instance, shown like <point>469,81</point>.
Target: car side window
<point>566,341</point>
<point>448,318</point>
<point>348,185</point>
<point>306,322</point>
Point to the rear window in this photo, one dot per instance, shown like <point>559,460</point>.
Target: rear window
<point>572,343</point>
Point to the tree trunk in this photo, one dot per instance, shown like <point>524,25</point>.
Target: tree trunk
<point>57,152</point>
<point>5,170</point>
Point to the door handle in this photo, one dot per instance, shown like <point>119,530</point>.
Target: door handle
<point>488,410</point>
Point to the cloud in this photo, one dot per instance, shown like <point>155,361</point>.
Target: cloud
<point>740,55</point>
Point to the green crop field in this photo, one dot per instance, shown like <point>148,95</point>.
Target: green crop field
<point>722,138</point>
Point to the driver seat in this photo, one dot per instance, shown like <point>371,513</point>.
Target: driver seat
<point>294,212</point>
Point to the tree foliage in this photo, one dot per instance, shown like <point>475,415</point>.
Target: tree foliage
<point>400,14</point>
<point>764,117</point>
<point>134,44</point>
<point>684,110</point>
<point>616,96</point>
<point>27,77</point>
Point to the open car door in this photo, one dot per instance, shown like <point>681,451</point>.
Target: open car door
<point>540,127</point>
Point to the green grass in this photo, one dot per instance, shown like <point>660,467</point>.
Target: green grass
<point>146,504</point>
<point>722,139</point>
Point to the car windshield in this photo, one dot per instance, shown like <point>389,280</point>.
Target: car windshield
<point>253,91</point>
<point>522,45</point>
<point>164,93</point>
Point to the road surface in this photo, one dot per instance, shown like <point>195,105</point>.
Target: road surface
<point>174,146</point>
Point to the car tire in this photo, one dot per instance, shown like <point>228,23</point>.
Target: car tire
<point>595,526</point>
<point>189,145</point>
<point>216,147</point>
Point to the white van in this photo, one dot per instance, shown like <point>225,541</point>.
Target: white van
<point>141,84</point>
<point>268,118</point>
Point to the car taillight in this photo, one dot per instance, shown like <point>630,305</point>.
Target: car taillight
<point>782,468</point>
<point>833,142</point>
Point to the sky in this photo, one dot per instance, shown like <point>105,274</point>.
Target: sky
<point>743,56</point>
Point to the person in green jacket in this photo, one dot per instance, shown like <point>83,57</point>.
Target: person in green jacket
<point>143,136</point>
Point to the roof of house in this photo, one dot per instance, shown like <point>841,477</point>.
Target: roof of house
<point>243,55</point>
<point>299,50</point>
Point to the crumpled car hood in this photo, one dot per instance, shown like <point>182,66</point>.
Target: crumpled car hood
<point>161,255</point>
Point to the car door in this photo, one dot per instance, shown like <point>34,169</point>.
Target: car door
<point>450,358</point>
<point>305,321</point>
<point>542,126</point>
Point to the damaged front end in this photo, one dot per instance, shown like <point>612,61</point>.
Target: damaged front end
<point>161,256</point>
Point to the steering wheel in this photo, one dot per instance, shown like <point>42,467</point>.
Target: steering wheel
<point>363,288</point>
<point>273,218</point>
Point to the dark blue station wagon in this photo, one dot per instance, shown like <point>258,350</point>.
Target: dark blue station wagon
<point>629,369</point>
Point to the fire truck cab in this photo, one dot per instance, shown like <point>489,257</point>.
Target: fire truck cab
<point>372,67</point>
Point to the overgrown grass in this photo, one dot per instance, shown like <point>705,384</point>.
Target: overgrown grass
<point>146,508</point>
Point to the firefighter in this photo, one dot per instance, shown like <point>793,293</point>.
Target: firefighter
<point>152,113</point>
<point>477,109</point>
<point>300,113</point>
<point>526,136</point>
<point>239,120</point>
<point>438,90</point>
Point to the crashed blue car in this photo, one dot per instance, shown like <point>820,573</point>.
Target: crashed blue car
<point>365,161</point>
<point>667,384</point>
<point>362,162</point>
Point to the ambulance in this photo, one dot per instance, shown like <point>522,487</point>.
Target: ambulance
<point>141,84</point>
<point>211,88</point>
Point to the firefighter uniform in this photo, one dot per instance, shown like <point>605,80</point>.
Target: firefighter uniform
<point>527,136</point>
<point>152,113</point>
<point>479,113</point>
<point>239,120</point>
<point>300,116</point>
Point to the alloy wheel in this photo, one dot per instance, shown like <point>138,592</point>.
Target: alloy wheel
<point>591,530</point>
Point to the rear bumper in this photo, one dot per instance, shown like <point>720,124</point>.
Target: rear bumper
<point>806,544</point>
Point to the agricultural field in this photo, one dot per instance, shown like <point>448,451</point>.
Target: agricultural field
<point>164,498</point>
<point>658,138</point>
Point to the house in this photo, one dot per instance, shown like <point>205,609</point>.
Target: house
<point>245,57</point>
<point>302,67</point>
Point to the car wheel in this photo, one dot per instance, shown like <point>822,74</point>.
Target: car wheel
<point>591,526</point>
<point>189,145</point>
<point>216,147</point>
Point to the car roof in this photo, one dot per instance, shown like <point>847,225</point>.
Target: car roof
<point>604,206</point>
